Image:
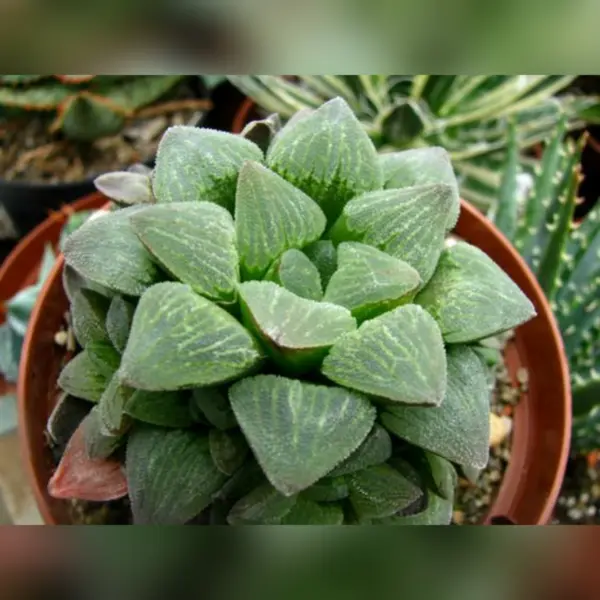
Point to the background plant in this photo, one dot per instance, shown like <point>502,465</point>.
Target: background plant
<point>565,257</point>
<point>466,115</point>
<point>280,337</point>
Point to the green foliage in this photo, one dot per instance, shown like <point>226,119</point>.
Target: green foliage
<point>270,363</point>
<point>469,116</point>
<point>565,257</point>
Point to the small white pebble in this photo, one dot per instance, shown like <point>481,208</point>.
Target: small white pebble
<point>500,427</point>
<point>591,511</point>
<point>571,502</point>
<point>575,514</point>
<point>60,338</point>
<point>584,498</point>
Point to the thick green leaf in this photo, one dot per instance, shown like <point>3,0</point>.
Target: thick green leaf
<point>171,475</point>
<point>408,223</point>
<point>263,131</point>
<point>328,489</point>
<point>420,166</point>
<point>214,405</point>
<point>111,406</point>
<point>73,282</point>
<point>125,188</point>
<point>308,512</point>
<point>328,155</point>
<point>263,506</point>
<point>88,317</point>
<point>165,409</point>
<point>437,512</point>
<point>271,216</point>
<point>296,331</point>
<point>241,483</point>
<point>118,321</point>
<point>228,449</point>
<point>323,254</point>
<point>195,242</point>
<point>458,430</point>
<point>8,413</point>
<point>10,353</point>
<point>471,297</point>
<point>295,272</point>
<point>107,251</point>
<point>299,431</point>
<point>19,308</point>
<point>181,340</point>
<point>369,282</point>
<point>82,378</point>
<point>399,356</point>
<point>99,443</point>
<point>443,476</point>
<point>376,449</point>
<point>380,491</point>
<point>104,357</point>
<point>195,164</point>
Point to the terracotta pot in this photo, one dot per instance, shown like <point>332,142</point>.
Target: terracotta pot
<point>542,424</point>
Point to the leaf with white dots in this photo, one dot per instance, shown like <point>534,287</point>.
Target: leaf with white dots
<point>271,216</point>
<point>369,282</point>
<point>299,431</point>
<point>181,340</point>
<point>194,164</point>
<point>295,272</point>
<point>458,429</point>
<point>471,297</point>
<point>399,356</point>
<point>328,155</point>
<point>195,242</point>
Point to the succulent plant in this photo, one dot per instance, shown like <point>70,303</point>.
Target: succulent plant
<point>86,106</point>
<point>466,115</point>
<point>565,257</point>
<point>280,337</point>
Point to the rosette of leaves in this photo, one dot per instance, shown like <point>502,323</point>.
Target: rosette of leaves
<point>86,107</point>
<point>565,257</point>
<point>466,115</point>
<point>278,333</point>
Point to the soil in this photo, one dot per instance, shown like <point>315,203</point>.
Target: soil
<point>29,152</point>
<point>579,500</point>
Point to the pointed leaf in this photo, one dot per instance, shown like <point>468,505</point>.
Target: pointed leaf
<point>88,317</point>
<point>241,483</point>
<point>125,187</point>
<point>99,443</point>
<point>299,431</point>
<point>228,450</point>
<point>111,406</point>
<point>443,475</point>
<point>78,476</point>
<point>328,489</point>
<point>19,308</point>
<point>437,512</point>
<point>118,321</point>
<point>458,430</point>
<point>328,155</point>
<point>369,282</point>
<point>181,340</point>
<point>215,406</point>
<point>263,131</point>
<point>271,216</point>
<point>380,491</point>
<point>82,378</point>
<point>376,449</point>
<point>399,356</point>
<point>164,409</point>
<point>295,272</point>
<point>263,506</point>
<point>195,242</point>
<point>108,252</point>
<point>421,166</point>
<point>324,256</point>
<point>171,475</point>
<point>104,357</point>
<point>65,418</point>
<point>471,297</point>
<point>408,223</point>
<point>297,332</point>
<point>307,512</point>
<point>73,282</point>
<point>195,164</point>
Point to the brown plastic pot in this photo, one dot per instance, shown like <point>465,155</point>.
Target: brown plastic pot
<point>542,423</point>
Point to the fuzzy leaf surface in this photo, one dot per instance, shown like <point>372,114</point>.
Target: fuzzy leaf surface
<point>214,405</point>
<point>118,321</point>
<point>262,506</point>
<point>164,409</point>
<point>228,449</point>
<point>295,272</point>
<point>308,512</point>
<point>323,255</point>
<point>82,378</point>
<point>88,317</point>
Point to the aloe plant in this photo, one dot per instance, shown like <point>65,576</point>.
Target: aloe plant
<point>565,257</point>
<point>282,336</point>
<point>466,115</point>
<point>86,106</point>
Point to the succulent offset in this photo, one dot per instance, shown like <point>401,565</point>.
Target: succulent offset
<point>280,337</point>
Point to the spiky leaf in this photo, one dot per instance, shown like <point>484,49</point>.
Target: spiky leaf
<point>195,242</point>
<point>471,297</point>
<point>295,272</point>
<point>118,321</point>
<point>399,356</point>
<point>164,409</point>
<point>181,340</point>
<point>458,429</point>
<point>228,450</point>
<point>369,282</point>
<point>328,155</point>
<point>82,378</point>
<point>88,317</point>
<point>195,164</point>
<point>171,475</point>
<point>264,506</point>
<point>271,216</point>
<point>108,252</point>
<point>299,431</point>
